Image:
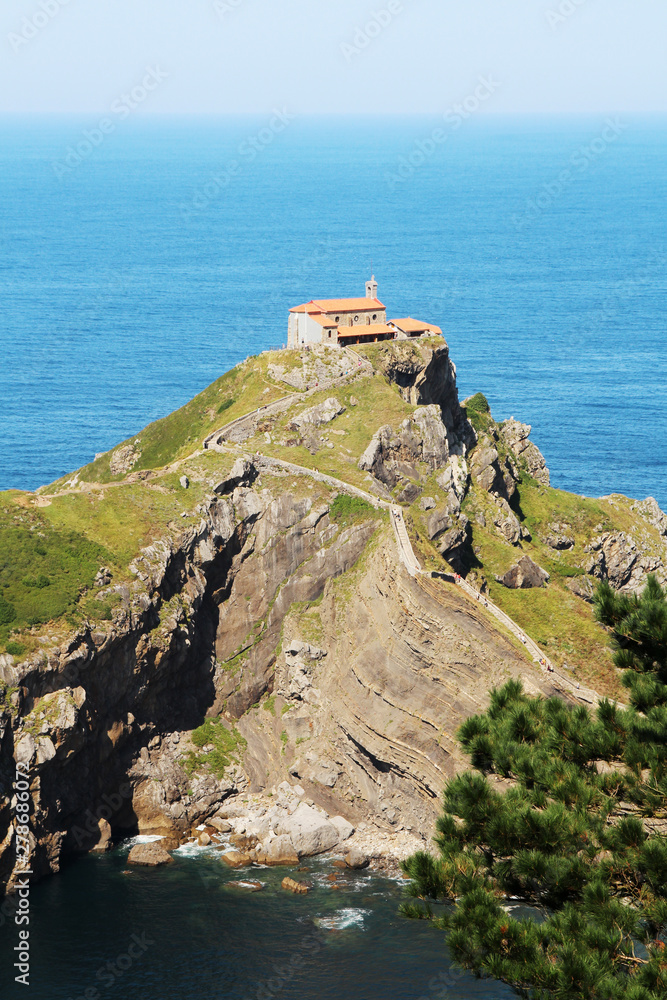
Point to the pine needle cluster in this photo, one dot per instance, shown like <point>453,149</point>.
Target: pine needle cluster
<point>562,812</point>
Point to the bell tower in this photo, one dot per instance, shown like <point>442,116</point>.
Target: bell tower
<point>372,288</point>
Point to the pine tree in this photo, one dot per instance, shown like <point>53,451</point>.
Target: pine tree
<point>563,828</point>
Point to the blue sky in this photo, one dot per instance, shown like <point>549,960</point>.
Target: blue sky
<point>341,56</point>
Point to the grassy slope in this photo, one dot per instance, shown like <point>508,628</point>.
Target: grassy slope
<point>68,540</point>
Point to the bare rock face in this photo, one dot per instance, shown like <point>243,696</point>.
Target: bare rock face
<point>515,436</point>
<point>391,456</point>
<point>425,377</point>
<point>614,556</point>
<point>524,575</point>
<point>491,473</point>
<point>243,473</point>
<point>316,416</point>
<point>652,513</point>
<point>123,460</point>
<point>506,521</point>
<point>559,537</point>
<point>151,855</point>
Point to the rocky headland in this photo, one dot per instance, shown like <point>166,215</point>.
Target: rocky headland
<point>242,657</point>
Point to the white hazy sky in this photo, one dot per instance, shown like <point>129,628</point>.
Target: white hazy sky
<point>226,56</point>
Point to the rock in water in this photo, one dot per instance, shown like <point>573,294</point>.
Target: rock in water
<point>234,859</point>
<point>150,855</point>
<point>299,888</point>
<point>524,575</point>
<point>357,859</point>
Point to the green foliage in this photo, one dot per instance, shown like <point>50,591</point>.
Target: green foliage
<point>346,509</point>
<point>7,611</point>
<point>638,625</point>
<point>42,570</point>
<point>270,705</point>
<point>478,412</point>
<point>226,745</point>
<point>15,648</point>
<point>226,405</point>
<point>552,835</point>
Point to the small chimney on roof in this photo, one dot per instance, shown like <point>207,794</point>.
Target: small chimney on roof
<point>372,288</point>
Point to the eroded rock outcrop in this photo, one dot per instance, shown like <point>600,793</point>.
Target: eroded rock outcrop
<point>525,575</point>
<point>516,437</point>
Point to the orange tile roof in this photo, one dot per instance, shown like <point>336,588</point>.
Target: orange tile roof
<point>361,331</point>
<point>323,320</point>
<point>409,325</point>
<point>308,307</point>
<point>348,305</point>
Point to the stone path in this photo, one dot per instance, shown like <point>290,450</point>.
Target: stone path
<point>405,550</point>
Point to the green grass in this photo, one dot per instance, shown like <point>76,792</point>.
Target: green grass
<point>227,745</point>
<point>42,570</point>
<point>270,705</point>
<point>346,510</point>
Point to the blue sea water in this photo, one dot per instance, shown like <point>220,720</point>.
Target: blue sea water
<point>194,934</point>
<point>131,279</point>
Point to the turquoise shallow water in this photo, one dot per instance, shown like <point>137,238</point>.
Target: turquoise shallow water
<point>133,282</point>
<point>193,934</point>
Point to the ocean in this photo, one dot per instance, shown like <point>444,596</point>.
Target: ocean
<point>135,270</point>
<point>139,265</point>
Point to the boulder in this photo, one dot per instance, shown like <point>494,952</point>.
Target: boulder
<point>235,859</point>
<point>150,855</point>
<point>316,416</point>
<point>277,851</point>
<point>524,575</point>
<point>439,522</point>
<point>409,494</point>
<point>345,829</point>
<point>185,482</point>
<point>356,859</point>
<point>427,503</point>
<point>243,842</point>
<point>309,831</point>
<point>582,586</point>
<point>298,888</point>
